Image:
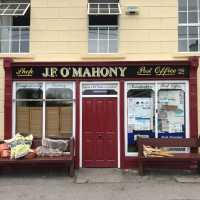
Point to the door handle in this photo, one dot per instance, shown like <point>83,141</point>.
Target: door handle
<point>99,136</point>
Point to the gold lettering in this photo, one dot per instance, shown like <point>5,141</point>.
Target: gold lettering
<point>113,72</point>
<point>95,72</point>
<point>144,71</point>
<point>165,71</point>
<point>122,71</point>
<point>53,72</point>
<point>64,72</point>
<point>46,73</point>
<point>77,72</point>
<point>104,72</point>
<point>86,73</point>
<point>25,72</point>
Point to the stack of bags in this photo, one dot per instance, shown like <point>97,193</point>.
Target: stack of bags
<point>20,147</point>
<point>155,152</point>
<point>4,150</point>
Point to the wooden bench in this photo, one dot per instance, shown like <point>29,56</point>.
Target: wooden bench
<point>146,162</point>
<point>66,160</point>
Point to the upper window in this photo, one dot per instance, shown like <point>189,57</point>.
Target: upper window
<point>104,9</point>
<point>14,26</point>
<point>103,26</point>
<point>189,25</point>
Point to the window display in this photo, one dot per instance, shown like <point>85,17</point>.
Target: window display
<point>140,104</point>
<point>155,109</point>
<point>48,102</point>
<point>171,113</point>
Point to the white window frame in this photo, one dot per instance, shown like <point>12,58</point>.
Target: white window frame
<point>187,120</point>
<point>43,105</point>
<point>108,39</point>
<point>190,25</point>
<point>109,9</point>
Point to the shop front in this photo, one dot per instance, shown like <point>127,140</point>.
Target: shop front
<point>104,105</point>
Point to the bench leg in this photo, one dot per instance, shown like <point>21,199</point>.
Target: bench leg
<point>71,170</point>
<point>194,166</point>
<point>140,168</point>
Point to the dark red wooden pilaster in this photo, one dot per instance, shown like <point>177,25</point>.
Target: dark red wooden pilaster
<point>8,98</point>
<point>194,62</point>
<point>122,143</point>
<point>77,142</point>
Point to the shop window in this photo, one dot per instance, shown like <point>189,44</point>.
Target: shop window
<point>51,103</point>
<point>103,26</point>
<point>29,109</point>
<point>154,110</point>
<point>189,25</point>
<point>58,111</point>
<point>14,26</point>
<point>171,113</point>
<point>141,115</point>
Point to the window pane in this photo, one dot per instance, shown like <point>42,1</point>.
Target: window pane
<point>103,8</point>
<point>4,46</point>
<point>24,46</point>
<point>182,5</point>
<point>113,46</point>
<point>15,33</point>
<point>24,33</point>
<point>93,46</point>
<point>103,33</point>
<point>93,33</point>
<point>59,119</point>
<point>103,46</point>
<point>15,47</point>
<point>58,91</point>
<point>171,113</point>
<point>182,17</point>
<point>182,45</point>
<point>192,17</point>
<point>140,105</point>
<point>5,33</point>
<point>182,32</point>
<point>193,45</point>
<point>192,5</point>
<point>193,32</point>
<point>28,91</point>
<point>93,5</point>
<point>29,117</point>
<point>113,33</point>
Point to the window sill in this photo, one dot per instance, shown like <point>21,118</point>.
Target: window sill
<point>16,55</point>
<point>111,56</point>
<point>186,54</point>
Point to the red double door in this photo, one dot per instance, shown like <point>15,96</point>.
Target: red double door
<point>99,132</point>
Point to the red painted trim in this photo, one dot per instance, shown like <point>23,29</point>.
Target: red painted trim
<point>122,145</point>
<point>77,150</point>
<point>8,98</point>
<point>194,62</point>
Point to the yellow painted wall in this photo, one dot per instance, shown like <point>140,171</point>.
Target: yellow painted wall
<point>58,32</point>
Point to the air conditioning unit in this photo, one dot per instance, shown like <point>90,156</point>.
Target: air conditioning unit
<point>132,10</point>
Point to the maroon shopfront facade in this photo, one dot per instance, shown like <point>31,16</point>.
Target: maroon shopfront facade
<point>112,104</point>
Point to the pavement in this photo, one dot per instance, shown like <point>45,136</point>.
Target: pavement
<point>99,184</point>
